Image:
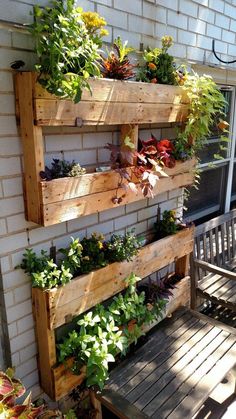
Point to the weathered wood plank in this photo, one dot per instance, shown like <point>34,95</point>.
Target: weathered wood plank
<point>215,222</point>
<point>68,188</point>
<point>194,400</point>
<point>163,374</point>
<point>178,377</point>
<point>190,381</point>
<point>105,90</point>
<point>61,112</point>
<point>33,148</point>
<point>120,406</point>
<point>85,291</point>
<point>167,332</point>
<point>215,269</point>
<point>46,341</point>
<point>73,208</point>
<point>64,381</point>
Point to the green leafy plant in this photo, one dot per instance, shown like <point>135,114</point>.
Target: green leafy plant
<point>67,45</point>
<point>205,110</point>
<point>43,271</point>
<point>117,64</point>
<point>62,168</point>
<point>104,332</point>
<point>93,253</point>
<point>120,248</point>
<point>159,64</point>
<point>167,225</point>
<point>79,258</point>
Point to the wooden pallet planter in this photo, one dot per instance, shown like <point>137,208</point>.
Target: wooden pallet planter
<point>69,198</point>
<point>53,308</point>
<point>113,102</point>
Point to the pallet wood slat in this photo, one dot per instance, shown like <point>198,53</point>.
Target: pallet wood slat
<point>68,209</point>
<point>61,112</point>
<point>104,90</point>
<point>91,183</point>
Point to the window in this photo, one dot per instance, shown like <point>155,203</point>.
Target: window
<point>214,191</point>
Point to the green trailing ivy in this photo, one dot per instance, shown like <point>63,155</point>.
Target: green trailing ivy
<point>67,42</point>
<point>205,109</point>
<point>104,332</point>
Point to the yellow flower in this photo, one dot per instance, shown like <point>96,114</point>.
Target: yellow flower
<point>100,245</point>
<point>104,32</point>
<point>94,22</point>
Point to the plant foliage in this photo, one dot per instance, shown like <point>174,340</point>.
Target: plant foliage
<point>79,258</point>
<point>104,332</point>
<point>67,45</point>
<point>205,110</point>
<point>152,158</point>
<point>10,389</point>
<point>62,168</point>
<point>159,64</point>
<point>117,64</point>
<point>168,225</point>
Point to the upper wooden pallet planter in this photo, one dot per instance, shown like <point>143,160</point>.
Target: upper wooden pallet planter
<point>55,307</point>
<point>112,102</point>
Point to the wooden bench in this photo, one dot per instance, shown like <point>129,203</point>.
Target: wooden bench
<point>213,262</point>
<point>171,375</point>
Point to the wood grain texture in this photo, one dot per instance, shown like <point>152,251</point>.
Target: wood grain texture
<point>174,375</point>
<point>107,90</point>
<point>46,342</point>
<point>88,290</point>
<point>91,183</point>
<point>77,207</point>
<point>60,112</point>
<point>32,140</point>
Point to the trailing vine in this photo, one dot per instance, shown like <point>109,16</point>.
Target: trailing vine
<point>205,109</point>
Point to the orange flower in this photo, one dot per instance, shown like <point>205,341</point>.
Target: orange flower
<point>152,66</point>
<point>222,125</point>
<point>154,80</point>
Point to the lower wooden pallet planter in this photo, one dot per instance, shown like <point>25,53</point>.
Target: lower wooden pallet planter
<point>69,198</point>
<point>53,308</point>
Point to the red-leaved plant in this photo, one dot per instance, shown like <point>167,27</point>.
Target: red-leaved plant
<point>10,390</point>
<point>152,157</point>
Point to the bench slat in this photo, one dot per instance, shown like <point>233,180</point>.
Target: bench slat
<point>158,384</point>
<point>163,385</point>
<point>143,379</point>
<point>186,374</point>
<point>193,401</point>
<point>121,374</point>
